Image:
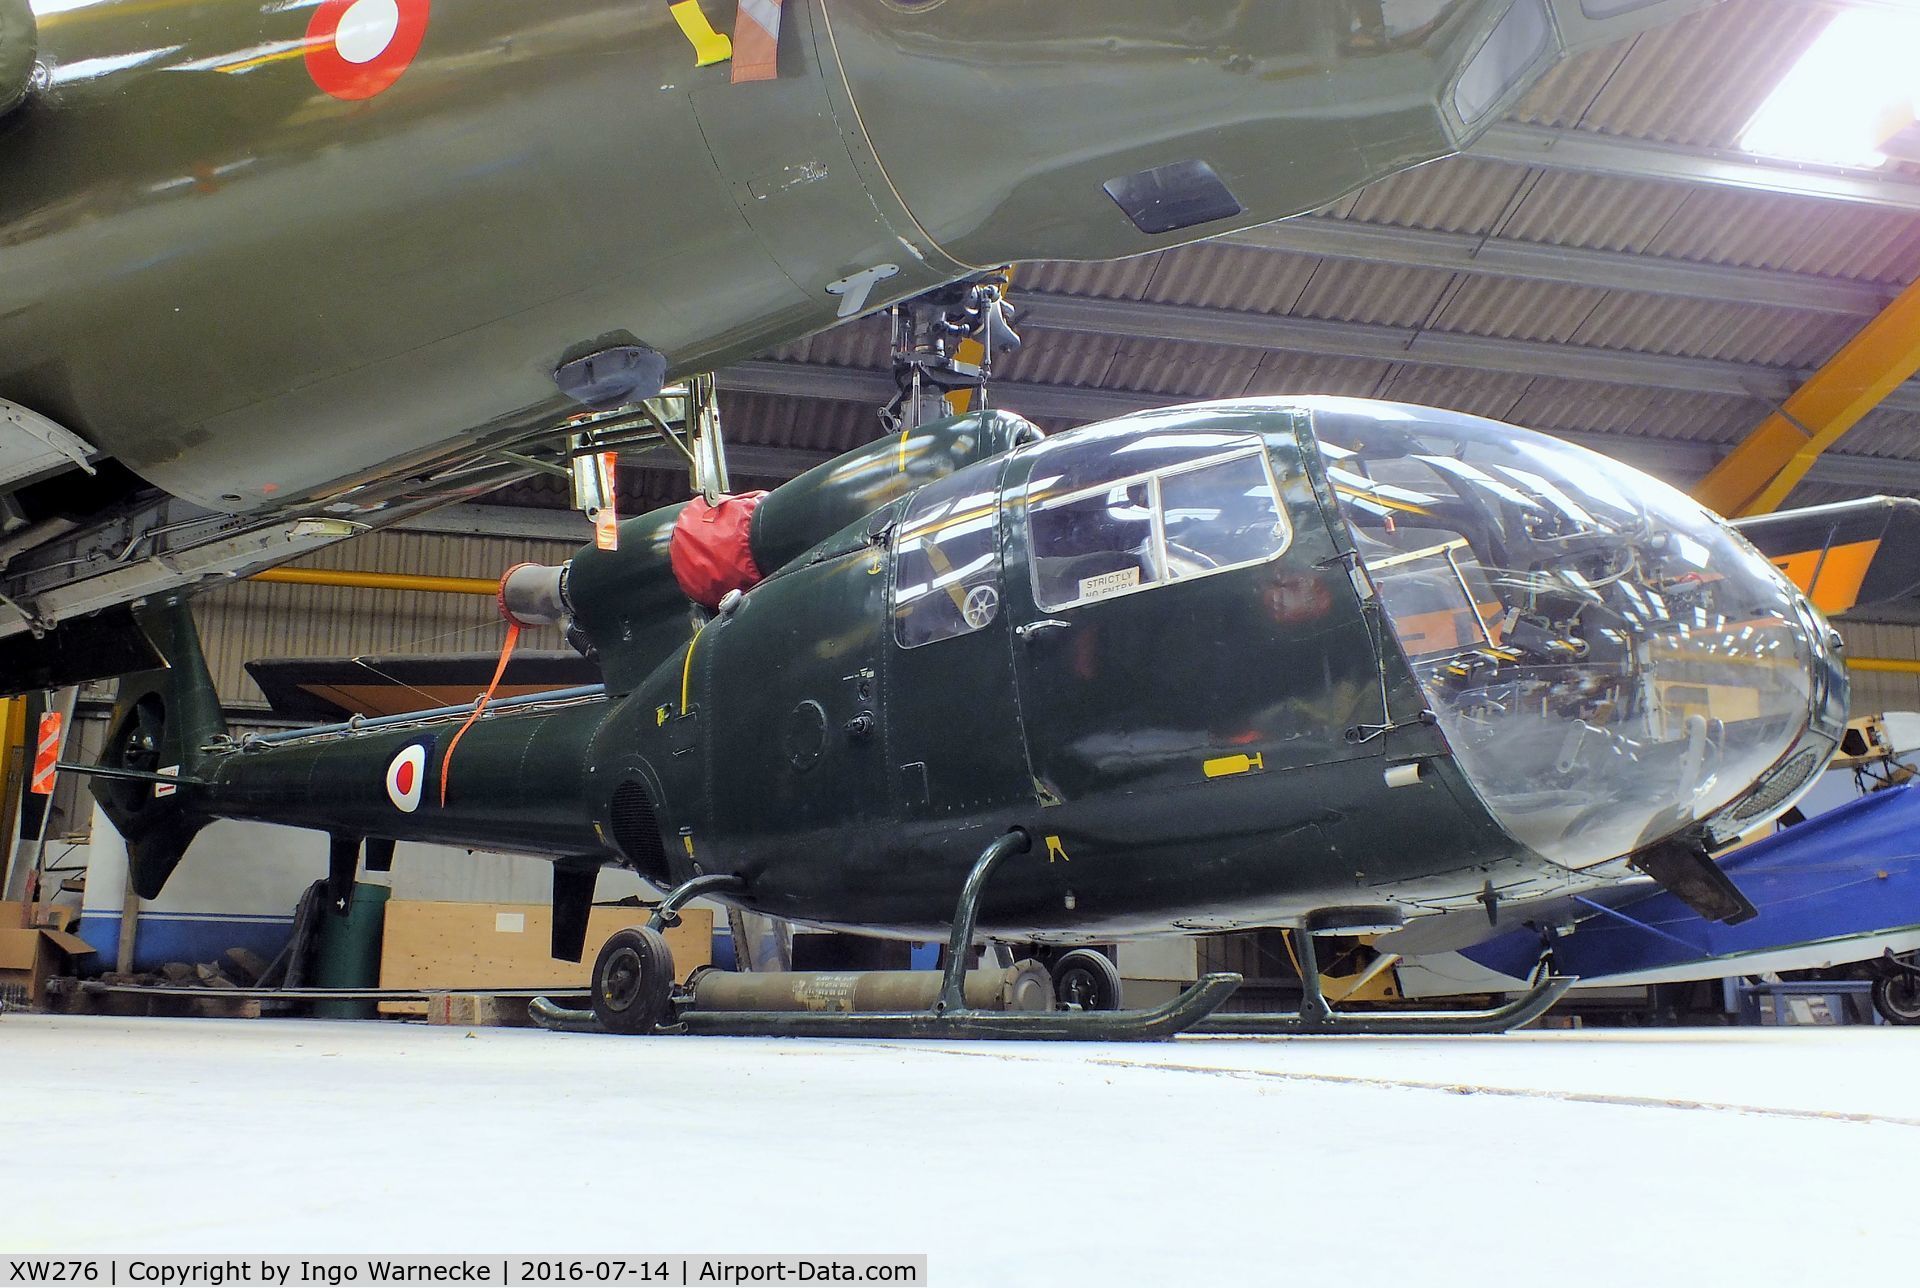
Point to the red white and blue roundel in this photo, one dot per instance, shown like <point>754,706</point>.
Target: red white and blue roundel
<point>359,48</point>
<point>407,776</point>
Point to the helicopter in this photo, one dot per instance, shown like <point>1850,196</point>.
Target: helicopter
<point>1333,664</point>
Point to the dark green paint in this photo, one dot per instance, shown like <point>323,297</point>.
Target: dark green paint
<point>19,42</point>
<point>779,752</point>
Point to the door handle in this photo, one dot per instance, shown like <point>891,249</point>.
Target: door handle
<point>1032,629</point>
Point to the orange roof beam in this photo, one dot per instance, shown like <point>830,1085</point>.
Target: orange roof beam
<point>1757,476</point>
<point>346,580</point>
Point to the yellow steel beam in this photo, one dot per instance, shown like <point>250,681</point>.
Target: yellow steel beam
<point>16,764</point>
<point>1887,665</point>
<point>1763,469</point>
<point>379,581</point>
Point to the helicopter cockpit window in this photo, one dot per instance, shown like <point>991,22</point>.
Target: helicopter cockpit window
<point>946,577</point>
<point>1221,515</point>
<point>1608,661</point>
<point>1094,545</point>
<point>1093,538</point>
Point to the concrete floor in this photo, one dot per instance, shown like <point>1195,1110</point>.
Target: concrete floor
<point>1740,1156</point>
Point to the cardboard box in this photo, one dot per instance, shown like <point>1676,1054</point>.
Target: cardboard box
<point>29,958</point>
<point>428,945</point>
<point>15,915</point>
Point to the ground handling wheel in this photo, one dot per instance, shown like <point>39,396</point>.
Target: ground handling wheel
<point>1086,980</point>
<point>1897,997</point>
<point>633,981</point>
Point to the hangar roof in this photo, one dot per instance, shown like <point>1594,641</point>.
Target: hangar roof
<point>1603,265</point>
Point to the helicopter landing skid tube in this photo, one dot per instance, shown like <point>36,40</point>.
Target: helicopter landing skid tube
<point>625,1001</point>
<point>1518,1013</point>
<point>1317,1018</point>
<point>1164,1021</point>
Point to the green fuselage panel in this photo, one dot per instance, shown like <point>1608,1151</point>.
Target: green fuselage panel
<point>253,285</point>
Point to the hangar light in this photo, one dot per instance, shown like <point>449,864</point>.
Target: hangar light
<point>1852,90</point>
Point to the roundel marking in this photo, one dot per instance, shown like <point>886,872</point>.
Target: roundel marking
<point>359,48</point>
<point>406,775</point>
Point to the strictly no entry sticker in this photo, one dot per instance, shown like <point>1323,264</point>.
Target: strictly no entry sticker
<point>334,1271</point>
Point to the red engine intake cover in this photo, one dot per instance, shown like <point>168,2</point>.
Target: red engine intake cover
<point>711,549</point>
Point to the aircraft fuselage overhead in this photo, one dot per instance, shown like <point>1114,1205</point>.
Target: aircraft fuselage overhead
<point>267,267</point>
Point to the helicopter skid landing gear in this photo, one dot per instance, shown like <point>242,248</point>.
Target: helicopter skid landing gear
<point>1318,1018</point>
<point>949,1017</point>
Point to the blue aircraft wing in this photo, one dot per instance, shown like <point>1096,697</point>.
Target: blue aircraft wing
<point>1848,873</point>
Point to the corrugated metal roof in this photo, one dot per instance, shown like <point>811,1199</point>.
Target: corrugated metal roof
<point>1348,291</point>
<point>1591,211</point>
<point>1120,279</point>
<point>1666,324</point>
<point>809,424</point>
<point>1564,97</point>
<point>1893,434</point>
<point>1697,82</point>
<point>1857,242</point>
<point>1305,373</point>
<point>1228,277</point>
<point>1188,370</point>
<point>1063,358</point>
<point>1748,229</point>
<point>1503,306</point>
<point>1573,405</point>
<point>1458,194</point>
<point>1482,393</point>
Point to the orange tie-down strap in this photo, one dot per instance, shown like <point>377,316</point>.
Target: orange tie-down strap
<point>506,654</point>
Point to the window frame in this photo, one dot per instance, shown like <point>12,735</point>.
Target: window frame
<point>997,509</point>
<point>1254,448</point>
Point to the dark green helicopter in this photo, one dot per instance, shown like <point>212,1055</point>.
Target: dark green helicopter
<point>1321,663</point>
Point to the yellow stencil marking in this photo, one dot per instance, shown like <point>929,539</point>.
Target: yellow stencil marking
<point>903,449</point>
<point>709,46</point>
<point>277,56</point>
<point>688,842</point>
<point>660,713</point>
<point>1055,850</point>
<point>1223,766</point>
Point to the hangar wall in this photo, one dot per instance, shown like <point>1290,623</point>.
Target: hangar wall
<point>240,881</point>
<point>250,620</point>
<point>1879,691</point>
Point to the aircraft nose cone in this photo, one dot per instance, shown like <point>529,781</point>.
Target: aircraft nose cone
<point>1611,664</point>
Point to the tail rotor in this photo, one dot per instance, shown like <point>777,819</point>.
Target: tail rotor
<point>162,723</point>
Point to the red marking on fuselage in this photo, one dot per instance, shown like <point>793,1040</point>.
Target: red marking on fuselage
<point>352,81</point>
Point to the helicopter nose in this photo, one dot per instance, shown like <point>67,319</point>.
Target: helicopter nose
<point>1611,663</point>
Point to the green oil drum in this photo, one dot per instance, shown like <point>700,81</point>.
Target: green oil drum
<point>350,952</point>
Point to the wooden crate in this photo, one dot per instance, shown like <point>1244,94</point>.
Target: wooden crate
<point>430,945</point>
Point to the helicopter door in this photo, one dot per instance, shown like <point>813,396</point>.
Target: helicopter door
<point>954,727</point>
<point>1180,612</point>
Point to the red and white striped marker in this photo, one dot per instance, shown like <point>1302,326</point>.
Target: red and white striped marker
<point>359,48</point>
<point>756,41</point>
<point>606,519</point>
<point>45,754</point>
<point>406,775</point>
